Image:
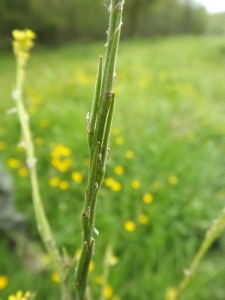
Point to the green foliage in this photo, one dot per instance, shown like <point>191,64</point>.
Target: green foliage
<point>170,113</point>
<point>60,21</point>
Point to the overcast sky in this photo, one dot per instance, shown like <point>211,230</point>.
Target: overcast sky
<point>213,5</point>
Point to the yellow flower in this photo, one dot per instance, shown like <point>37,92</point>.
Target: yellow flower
<point>13,163</point>
<point>23,172</point>
<point>118,170</point>
<point>109,181</point>
<point>55,277</point>
<point>99,280</point>
<point>116,131</point>
<point>129,226</point>
<point>91,266</point>
<point>54,181</point>
<point>60,150</point>
<point>3,145</point>
<point>135,184</point>
<point>77,177</point>
<point>61,164</point>
<point>173,180</point>
<point>22,44</point>
<point>129,154</point>
<point>147,198</point>
<point>116,186</point>
<point>116,297</point>
<point>119,140</point>
<point>64,185</point>
<point>19,296</point>
<point>4,280</point>
<point>171,293</point>
<point>143,219</point>
<point>82,78</point>
<point>78,253</point>
<point>108,292</point>
<point>60,158</point>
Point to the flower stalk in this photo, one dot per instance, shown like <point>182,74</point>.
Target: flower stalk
<point>99,123</point>
<point>22,44</point>
<point>211,235</point>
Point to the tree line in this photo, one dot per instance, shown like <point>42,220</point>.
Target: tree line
<point>60,21</point>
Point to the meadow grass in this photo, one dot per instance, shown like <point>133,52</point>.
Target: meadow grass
<point>165,176</point>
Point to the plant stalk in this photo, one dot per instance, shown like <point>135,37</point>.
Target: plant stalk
<point>41,219</point>
<point>211,235</point>
<point>98,128</point>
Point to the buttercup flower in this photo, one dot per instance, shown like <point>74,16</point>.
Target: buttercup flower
<point>114,185</point>
<point>64,185</point>
<point>55,277</point>
<point>171,293</point>
<point>147,198</point>
<point>135,184</point>
<point>118,170</point>
<point>77,177</point>
<point>108,292</point>
<point>143,219</point>
<point>54,181</point>
<point>61,158</point>
<point>119,140</point>
<point>129,154</point>
<point>23,172</point>
<point>13,163</point>
<point>129,226</point>
<point>20,296</point>
<point>173,180</point>
<point>99,279</point>
<point>116,131</point>
<point>4,280</point>
<point>91,266</point>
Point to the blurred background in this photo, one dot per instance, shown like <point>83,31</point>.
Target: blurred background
<point>165,179</point>
<point>58,22</point>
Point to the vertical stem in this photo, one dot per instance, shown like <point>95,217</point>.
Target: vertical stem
<point>212,234</point>
<point>95,103</point>
<point>99,124</point>
<point>41,219</point>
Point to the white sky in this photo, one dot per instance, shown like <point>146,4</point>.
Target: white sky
<point>213,5</point>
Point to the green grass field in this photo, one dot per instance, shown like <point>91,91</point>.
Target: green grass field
<point>165,179</point>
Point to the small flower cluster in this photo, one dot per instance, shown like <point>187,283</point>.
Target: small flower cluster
<point>23,42</point>
<point>22,296</point>
<point>61,158</point>
<point>14,163</point>
<point>113,184</point>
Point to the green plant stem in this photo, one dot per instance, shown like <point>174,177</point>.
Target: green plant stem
<point>98,128</point>
<point>212,234</point>
<point>41,219</point>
